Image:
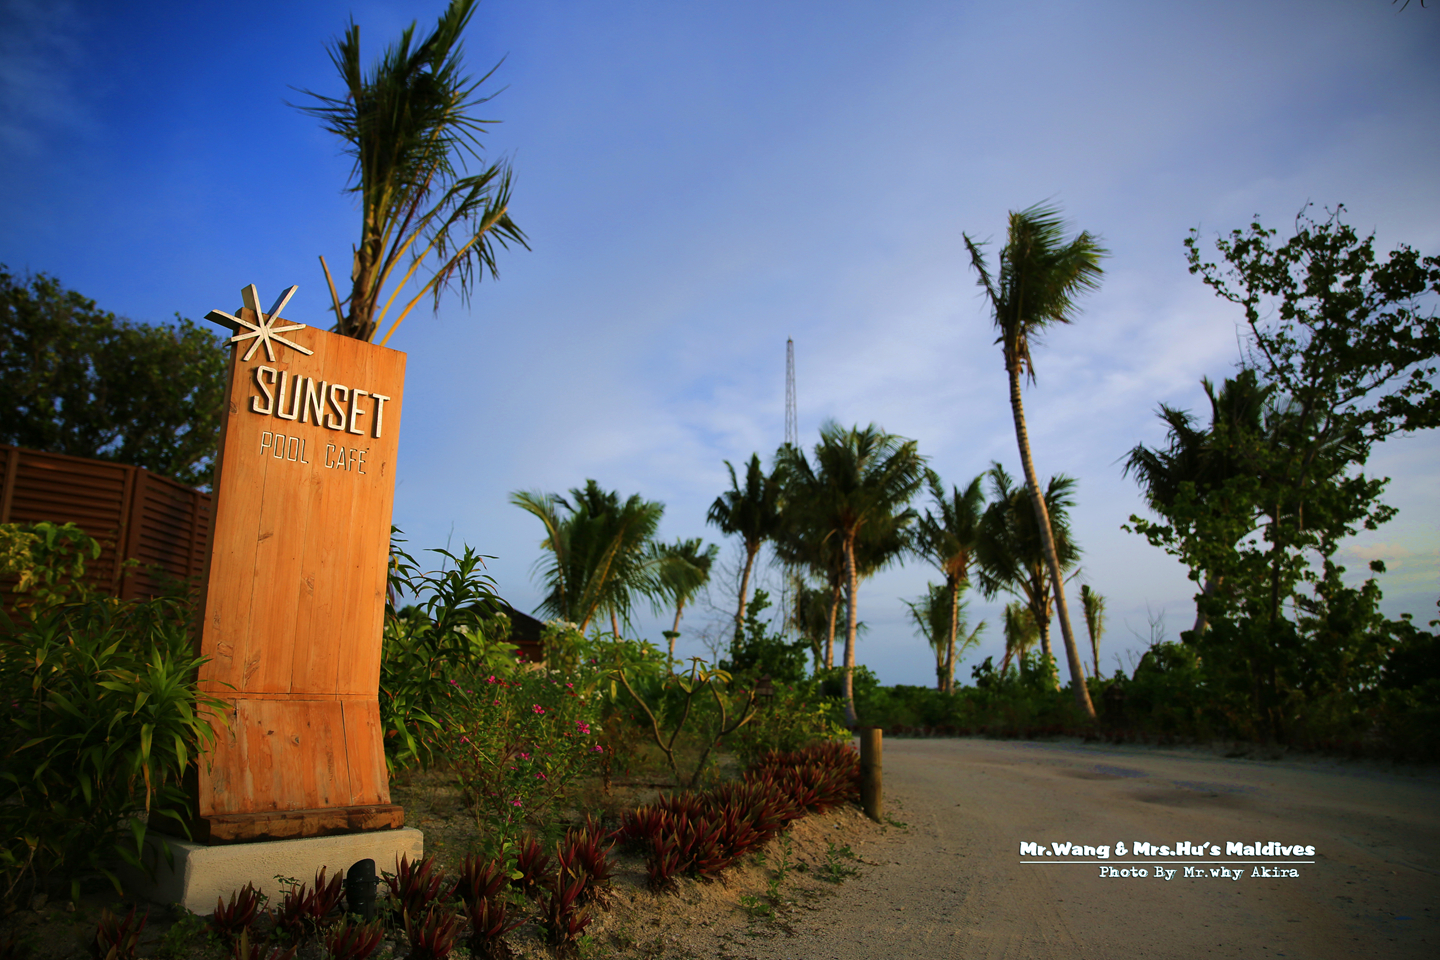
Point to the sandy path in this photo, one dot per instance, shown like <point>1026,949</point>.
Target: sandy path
<point>952,885</point>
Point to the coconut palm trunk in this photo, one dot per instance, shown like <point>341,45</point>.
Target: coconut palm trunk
<point>830,633</point>
<point>1047,539</point>
<point>948,683</point>
<point>852,586</point>
<point>750,553</point>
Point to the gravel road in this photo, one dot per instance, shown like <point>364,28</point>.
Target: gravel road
<point>953,884</point>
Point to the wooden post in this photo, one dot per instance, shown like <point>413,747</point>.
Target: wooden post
<point>871,787</point>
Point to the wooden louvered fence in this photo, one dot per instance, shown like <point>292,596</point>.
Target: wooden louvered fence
<point>133,513</point>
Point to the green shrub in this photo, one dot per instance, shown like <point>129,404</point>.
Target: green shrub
<point>756,652</point>
<point>106,717</point>
<point>517,745</point>
<point>799,716</point>
<point>448,638</point>
<point>47,561</point>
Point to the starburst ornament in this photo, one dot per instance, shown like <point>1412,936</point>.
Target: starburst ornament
<point>263,331</point>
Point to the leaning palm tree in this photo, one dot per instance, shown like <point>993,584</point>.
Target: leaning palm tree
<point>409,124</point>
<point>947,539</point>
<point>598,552</point>
<point>684,568</point>
<point>862,481</point>
<point>1094,607</point>
<point>752,512</point>
<point>1010,551</point>
<point>939,615</point>
<point>1039,278</point>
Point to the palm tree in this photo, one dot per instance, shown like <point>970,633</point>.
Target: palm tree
<point>599,556</point>
<point>804,548</point>
<point>684,567</point>
<point>1021,632</point>
<point>1040,276</point>
<point>409,125</point>
<point>948,541</point>
<point>804,544</point>
<point>1010,550</point>
<point>752,512</point>
<point>812,613</point>
<point>940,615</point>
<point>1094,606</point>
<point>862,481</point>
<point>1206,459</point>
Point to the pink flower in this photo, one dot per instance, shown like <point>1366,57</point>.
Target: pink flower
<point>538,709</point>
<point>516,803</point>
<point>570,685</point>
<point>491,680</point>
<point>584,727</point>
<point>540,776</point>
<point>524,756</point>
<point>599,749</point>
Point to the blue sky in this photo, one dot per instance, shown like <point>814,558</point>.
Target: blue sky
<point>701,181</point>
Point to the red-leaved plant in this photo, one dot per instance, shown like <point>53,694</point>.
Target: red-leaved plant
<point>533,865</point>
<point>303,910</point>
<point>434,936</point>
<point>415,886</point>
<point>239,914</point>
<point>585,854</point>
<point>482,887</point>
<point>243,949</point>
<point>117,939</point>
<point>562,914</point>
<point>353,941</point>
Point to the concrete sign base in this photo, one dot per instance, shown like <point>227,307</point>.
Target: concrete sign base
<point>202,874</point>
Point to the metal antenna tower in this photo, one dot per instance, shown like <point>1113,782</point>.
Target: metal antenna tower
<point>792,439</point>
<point>792,431</point>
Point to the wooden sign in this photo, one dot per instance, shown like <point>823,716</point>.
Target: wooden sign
<point>295,601</point>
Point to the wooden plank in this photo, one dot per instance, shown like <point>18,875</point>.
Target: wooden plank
<point>7,488</point>
<point>128,535</point>
<point>224,829</point>
<point>365,748</point>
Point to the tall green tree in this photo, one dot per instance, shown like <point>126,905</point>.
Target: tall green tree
<point>1348,342</point>
<point>862,480</point>
<point>410,125</point>
<point>598,557</point>
<point>684,568</point>
<point>1040,275</point>
<point>1010,550</point>
<point>78,380</point>
<point>947,538</point>
<point>940,616</point>
<point>750,511</point>
<point>1197,461</point>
